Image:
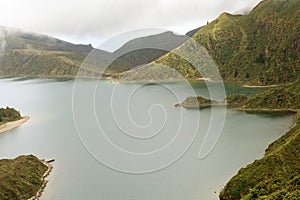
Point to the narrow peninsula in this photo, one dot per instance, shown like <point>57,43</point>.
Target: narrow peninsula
<point>23,177</point>
<point>277,174</point>
<point>279,99</point>
<point>10,119</point>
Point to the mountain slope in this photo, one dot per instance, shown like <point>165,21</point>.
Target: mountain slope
<point>275,176</point>
<point>260,48</point>
<point>29,54</point>
<point>39,63</point>
<point>15,39</point>
<point>193,32</point>
<point>144,50</point>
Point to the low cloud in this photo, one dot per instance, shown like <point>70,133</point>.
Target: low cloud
<point>92,19</point>
<point>2,38</point>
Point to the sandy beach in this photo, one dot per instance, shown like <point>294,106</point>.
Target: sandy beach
<point>11,125</point>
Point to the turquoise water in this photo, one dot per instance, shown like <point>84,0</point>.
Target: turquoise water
<point>78,174</point>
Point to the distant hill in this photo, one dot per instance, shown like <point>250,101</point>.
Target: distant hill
<point>30,54</point>
<point>16,39</point>
<point>193,32</point>
<point>144,50</point>
<point>259,48</point>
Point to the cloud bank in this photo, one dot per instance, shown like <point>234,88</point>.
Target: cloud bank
<point>92,20</point>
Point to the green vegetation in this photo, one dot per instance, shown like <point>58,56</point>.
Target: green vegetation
<point>232,100</point>
<point>21,178</point>
<point>195,102</point>
<point>279,98</point>
<point>40,63</point>
<point>259,48</point>
<point>8,115</point>
<point>144,50</point>
<point>297,119</point>
<point>27,54</point>
<point>275,176</point>
<point>236,99</point>
<point>274,99</point>
<point>135,58</point>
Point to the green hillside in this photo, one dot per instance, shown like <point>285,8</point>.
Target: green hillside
<point>135,58</point>
<point>259,48</point>
<point>277,174</point>
<point>278,98</point>
<point>144,50</point>
<point>274,177</point>
<point>286,98</point>
<point>20,178</point>
<point>29,54</point>
<point>40,63</point>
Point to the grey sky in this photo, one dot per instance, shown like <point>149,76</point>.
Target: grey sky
<point>93,21</point>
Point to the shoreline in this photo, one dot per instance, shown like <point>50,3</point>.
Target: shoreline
<point>200,106</point>
<point>260,86</point>
<point>120,80</point>
<point>290,128</point>
<point>263,86</point>
<point>117,80</point>
<point>253,110</point>
<point>12,125</point>
<point>43,178</point>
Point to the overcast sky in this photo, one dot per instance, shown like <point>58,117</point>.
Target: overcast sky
<point>94,21</point>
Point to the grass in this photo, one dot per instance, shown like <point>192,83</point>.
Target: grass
<point>20,178</point>
<point>236,99</point>
<point>39,63</point>
<point>259,48</point>
<point>275,176</point>
<point>8,115</point>
<point>278,98</point>
<point>195,102</point>
<point>232,100</point>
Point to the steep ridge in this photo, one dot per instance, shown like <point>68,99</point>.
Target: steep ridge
<point>144,50</point>
<point>275,176</point>
<point>259,48</point>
